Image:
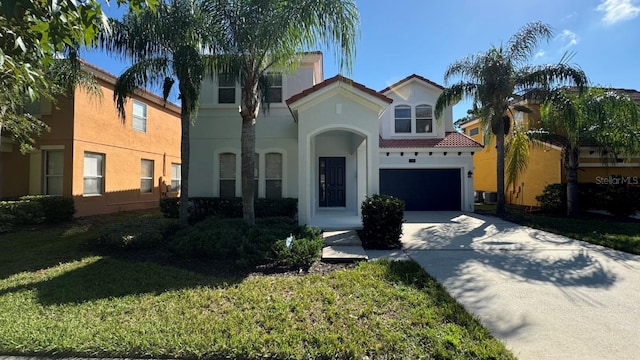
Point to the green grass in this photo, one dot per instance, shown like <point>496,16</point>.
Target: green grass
<point>618,234</point>
<point>57,298</point>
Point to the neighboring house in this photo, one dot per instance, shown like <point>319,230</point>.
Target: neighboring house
<point>105,164</point>
<point>545,162</point>
<point>330,143</point>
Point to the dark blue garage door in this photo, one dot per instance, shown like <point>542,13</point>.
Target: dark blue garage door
<point>423,189</point>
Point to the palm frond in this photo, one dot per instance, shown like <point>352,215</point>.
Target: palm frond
<point>516,155</point>
<point>522,44</point>
<point>140,74</point>
<point>453,94</point>
<point>550,76</point>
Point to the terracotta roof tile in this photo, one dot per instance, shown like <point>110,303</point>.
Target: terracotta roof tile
<point>332,80</point>
<point>452,139</point>
<point>412,76</point>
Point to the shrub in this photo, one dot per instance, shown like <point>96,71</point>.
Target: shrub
<point>382,218</point>
<point>620,200</point>
<point>244,245</point>
<point>24,212</point>
<point>6,221</point>
<point>56,208</point>
<point>201,208</point>
<point>142,233</point>
<point>303,251</point>
<point>553,198</point>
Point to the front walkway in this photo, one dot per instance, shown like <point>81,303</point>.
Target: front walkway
<point>546,296</point>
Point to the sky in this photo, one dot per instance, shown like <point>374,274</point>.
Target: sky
<point>402,37</point>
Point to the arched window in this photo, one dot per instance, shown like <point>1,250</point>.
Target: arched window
<point>273,175</point>
<point>403,119</point>
<point>424,119</point>
<point>227,175</point>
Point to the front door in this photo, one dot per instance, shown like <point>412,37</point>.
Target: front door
<point>332,182</point>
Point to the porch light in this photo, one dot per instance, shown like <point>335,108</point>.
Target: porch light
<point>470,174</point>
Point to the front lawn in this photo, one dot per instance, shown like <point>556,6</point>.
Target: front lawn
<point>59,298</point>
<point>618,234</point>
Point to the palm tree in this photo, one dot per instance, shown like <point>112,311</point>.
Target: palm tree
<point>493,79</point>
<point>174,40</point>
<point>599,118</point>
<point>267,35</point>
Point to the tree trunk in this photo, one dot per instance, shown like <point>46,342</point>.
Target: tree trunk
<point>249,112</point>
<point>571,163</point>
<point>185,124</point>
<point>499,132</point>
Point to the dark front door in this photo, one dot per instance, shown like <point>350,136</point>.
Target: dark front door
<point>332,182</point>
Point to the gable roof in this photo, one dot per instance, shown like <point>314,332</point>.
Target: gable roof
<point>335,79</point>
<point>452,139</point>
<point>411,77</point>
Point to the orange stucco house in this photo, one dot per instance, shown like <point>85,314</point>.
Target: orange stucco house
<point>105,164</point>
<point>545,161</point>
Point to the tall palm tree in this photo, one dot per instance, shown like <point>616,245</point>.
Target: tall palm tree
<point>266,35</point>
<point>493,79</point>
<point>599,118</point>
<point>174,40</point>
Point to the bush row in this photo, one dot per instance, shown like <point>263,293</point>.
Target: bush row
<point>618,200</point>
<point>201,208</point>
<point>250,245</point>
<point>35,209</point>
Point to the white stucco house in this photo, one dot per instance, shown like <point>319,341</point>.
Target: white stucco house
<point>332,142</point>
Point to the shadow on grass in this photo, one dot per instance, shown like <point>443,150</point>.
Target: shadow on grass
<point>107,278</point>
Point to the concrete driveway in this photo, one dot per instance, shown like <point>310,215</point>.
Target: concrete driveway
<point>546,296</point>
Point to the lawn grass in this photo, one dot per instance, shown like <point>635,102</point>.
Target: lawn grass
<point>614,233</point>
<point>63,300</point>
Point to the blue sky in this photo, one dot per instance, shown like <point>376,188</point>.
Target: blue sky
<point>402,37</point>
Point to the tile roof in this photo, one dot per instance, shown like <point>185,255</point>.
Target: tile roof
<point>338,78</point>
<point>412,76</point>
<point>452,139</point>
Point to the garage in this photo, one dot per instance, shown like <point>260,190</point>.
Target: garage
<point>423,189</point>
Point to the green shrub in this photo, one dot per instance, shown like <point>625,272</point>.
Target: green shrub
<point>201,208</point>
<point>382,218</point>
<point>553,198</point>
<point>621,200</point>
<point>6,221</point>
<point>234,240</point>
<point>303,251</point>
<point>24,212</point>
<point>142,233</point>
<point>56,208</point>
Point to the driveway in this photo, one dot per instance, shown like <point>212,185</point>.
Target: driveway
<point>546,296</point>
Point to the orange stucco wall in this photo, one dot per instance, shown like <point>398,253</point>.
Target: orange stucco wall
<point>82,123</point>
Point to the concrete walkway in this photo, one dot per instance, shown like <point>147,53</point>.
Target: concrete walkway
<point>546,296</point>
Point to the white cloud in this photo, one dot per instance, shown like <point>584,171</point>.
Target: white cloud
<point>539,54</point>
<point>618,10</point>
<point>569,38</point>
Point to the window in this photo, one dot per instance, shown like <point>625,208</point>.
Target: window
<point>275,87</point>
<point>176,177</point>
<point>424,119</point>
<point>226,88</point>
<point>474,131</point>
<point>227,175</point>
<point>256,176</point>
<point>273,176</point>
<point>139,116</point>
<point>403,118</point>
<point>54,165</point>
<point>93,173</point>
<point>146,176</point>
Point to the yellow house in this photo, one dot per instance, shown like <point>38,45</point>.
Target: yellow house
<point>545,162</point>
<point>105,164</point>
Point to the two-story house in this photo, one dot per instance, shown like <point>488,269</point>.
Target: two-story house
<point>105,164</point>
<point>332,142</point>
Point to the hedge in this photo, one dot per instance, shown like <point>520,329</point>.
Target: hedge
<point>35,209</point>
<point>201,208</point>
<point>618,200</point>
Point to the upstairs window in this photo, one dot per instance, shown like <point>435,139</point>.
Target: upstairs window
<point>139,116</point>
<point>424,119</point>
<point>226,88</point>
<point>474,131</point>
<point>403,119</point>
<point>275,90</point>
